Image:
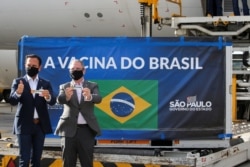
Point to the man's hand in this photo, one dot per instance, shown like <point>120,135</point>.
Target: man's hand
<point>69,93</point>
<point>45,93</point>
<point>20,88</point>
<point>86,93</point>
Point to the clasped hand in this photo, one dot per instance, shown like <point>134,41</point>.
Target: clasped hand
<point>69,92</point>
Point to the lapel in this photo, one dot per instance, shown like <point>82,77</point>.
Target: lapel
<point>27,86</point>
<point>84,85</point>
<point>26,83</point>
<point>39,84</point>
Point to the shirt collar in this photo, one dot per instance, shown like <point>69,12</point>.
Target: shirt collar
<point>74,83</point>
<point>29,78</point>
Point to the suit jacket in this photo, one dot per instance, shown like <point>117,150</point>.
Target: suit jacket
<point>23,122</point>
<point>67,124</point>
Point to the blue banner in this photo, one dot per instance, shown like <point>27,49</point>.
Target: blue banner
<point>152,88</point>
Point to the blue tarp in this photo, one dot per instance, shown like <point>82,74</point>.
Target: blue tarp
<point>152,88</point>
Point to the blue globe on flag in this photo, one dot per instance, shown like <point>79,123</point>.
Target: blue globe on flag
<point>122,104</point>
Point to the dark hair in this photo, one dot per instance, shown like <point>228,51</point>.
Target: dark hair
<point>34,56</point>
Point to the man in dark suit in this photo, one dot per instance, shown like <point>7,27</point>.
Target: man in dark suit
<point>214,8</point>
<point>78,125</point>
<point>244,6</point>
<point>31,94</point>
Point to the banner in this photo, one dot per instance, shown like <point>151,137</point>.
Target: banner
<point>152,88</point>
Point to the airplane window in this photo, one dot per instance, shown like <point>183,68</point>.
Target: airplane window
<point>99,14</point>
<point>87,15</point>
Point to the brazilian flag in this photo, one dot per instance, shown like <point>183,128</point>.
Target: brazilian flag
<point>128,104</point>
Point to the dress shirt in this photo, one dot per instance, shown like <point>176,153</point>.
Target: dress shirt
<point>78,88</point>
<point>33,86</point>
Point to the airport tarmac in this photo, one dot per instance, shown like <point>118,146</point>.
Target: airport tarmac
<point>6,120</point>
<point>8,139</point>
<point>8,143</point>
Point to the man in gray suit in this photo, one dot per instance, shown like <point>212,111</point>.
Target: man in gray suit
<point>78,125</point>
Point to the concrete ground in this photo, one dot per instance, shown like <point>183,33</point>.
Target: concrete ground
<point>7,141</point>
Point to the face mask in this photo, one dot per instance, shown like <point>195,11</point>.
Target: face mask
<point>31,71</point>
<point>75,75</point>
